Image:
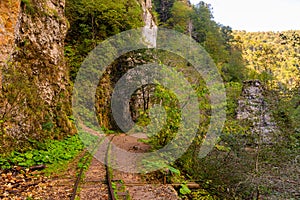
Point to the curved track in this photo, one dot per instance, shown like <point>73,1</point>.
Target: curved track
<point>109,176</point>
<point>103,182</point>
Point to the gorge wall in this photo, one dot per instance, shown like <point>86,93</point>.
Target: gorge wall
<point>9,13</point>
<point>126,62</point>
<point>35,87</point>
<point>35,84</point>
<point>35,90</point>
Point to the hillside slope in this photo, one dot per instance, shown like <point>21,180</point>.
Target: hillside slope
<point>274,56</point>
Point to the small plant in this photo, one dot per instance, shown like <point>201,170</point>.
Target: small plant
<point>184,190</point>
<point>84,162</point>
<point>29,8</point>
<point>202,194</point>
<point>47,126</point>
<point>107,131</point>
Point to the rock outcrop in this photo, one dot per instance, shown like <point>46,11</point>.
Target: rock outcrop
<point>253,107</point>
<point>9,14</point>
<point>35,95</point>
<point>35,84</point>
<point>140,99</point>
<point>150,28</point>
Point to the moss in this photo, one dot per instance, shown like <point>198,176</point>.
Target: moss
<point>28,6</point>
<point>25,107</point>
<point>31,7</point>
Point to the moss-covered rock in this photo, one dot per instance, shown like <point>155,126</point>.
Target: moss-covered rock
<point>35,91</point>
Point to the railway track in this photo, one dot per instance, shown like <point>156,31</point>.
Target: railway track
<point>108,181</point>
<point>115,188</point>
<point>103,182</point>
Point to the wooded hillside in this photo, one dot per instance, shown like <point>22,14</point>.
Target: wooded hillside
<point>274,56</point>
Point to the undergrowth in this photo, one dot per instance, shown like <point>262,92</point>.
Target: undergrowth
<point>53,152</point>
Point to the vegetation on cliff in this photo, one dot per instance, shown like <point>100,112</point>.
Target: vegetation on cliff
<point>35,101</point>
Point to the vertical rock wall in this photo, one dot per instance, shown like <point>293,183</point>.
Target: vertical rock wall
<point>119,68</point>
<point>9,13</point>
<point>150,28</point>
<point>254,108</point>
<point>35,102</point>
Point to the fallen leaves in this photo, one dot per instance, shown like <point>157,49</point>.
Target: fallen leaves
<point>21,183</point>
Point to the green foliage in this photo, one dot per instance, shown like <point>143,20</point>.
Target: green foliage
<point>197,21</point>
<point>52,151</point>
<point>28,6</point>
<point>169,103</point>
<point>93,21</point>
<point>163,8</point>
<point>173,170</point>
<point>273,57</point>
<point>233,91</point>
<point>85,161</point>
<point>107,131</point>
<point>47,126</point>
<point>217,41</point>
<point>180,19</point>
<point>184,190</point>
<point>119,187</point>
<point>286,109</point>
<point>202,194</point>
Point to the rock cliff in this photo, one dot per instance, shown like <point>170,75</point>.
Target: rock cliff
<point>253,107</point>
<point>35,86</point>
<point>9,13</point>
<point>140,99</point>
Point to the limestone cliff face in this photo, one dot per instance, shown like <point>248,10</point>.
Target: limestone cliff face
<point>254,108</point>
<point>150,28</point>
<point>9,13</point>
<point>35,90</point>
<point>35,96</point>
<point>40,41</point>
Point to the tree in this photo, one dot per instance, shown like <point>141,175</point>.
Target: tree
<point>180,17</point>
<point>92,21</point>
<point>163,8</point>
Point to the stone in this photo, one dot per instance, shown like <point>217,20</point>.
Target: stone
<point>34,47</point>
<point>253,107</point>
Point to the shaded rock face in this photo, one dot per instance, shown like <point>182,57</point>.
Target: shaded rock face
<point>40,39</point>
<point>107,86</point>
<point>254,108</point>
<point>35,80</point>
<point>140,99</point>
